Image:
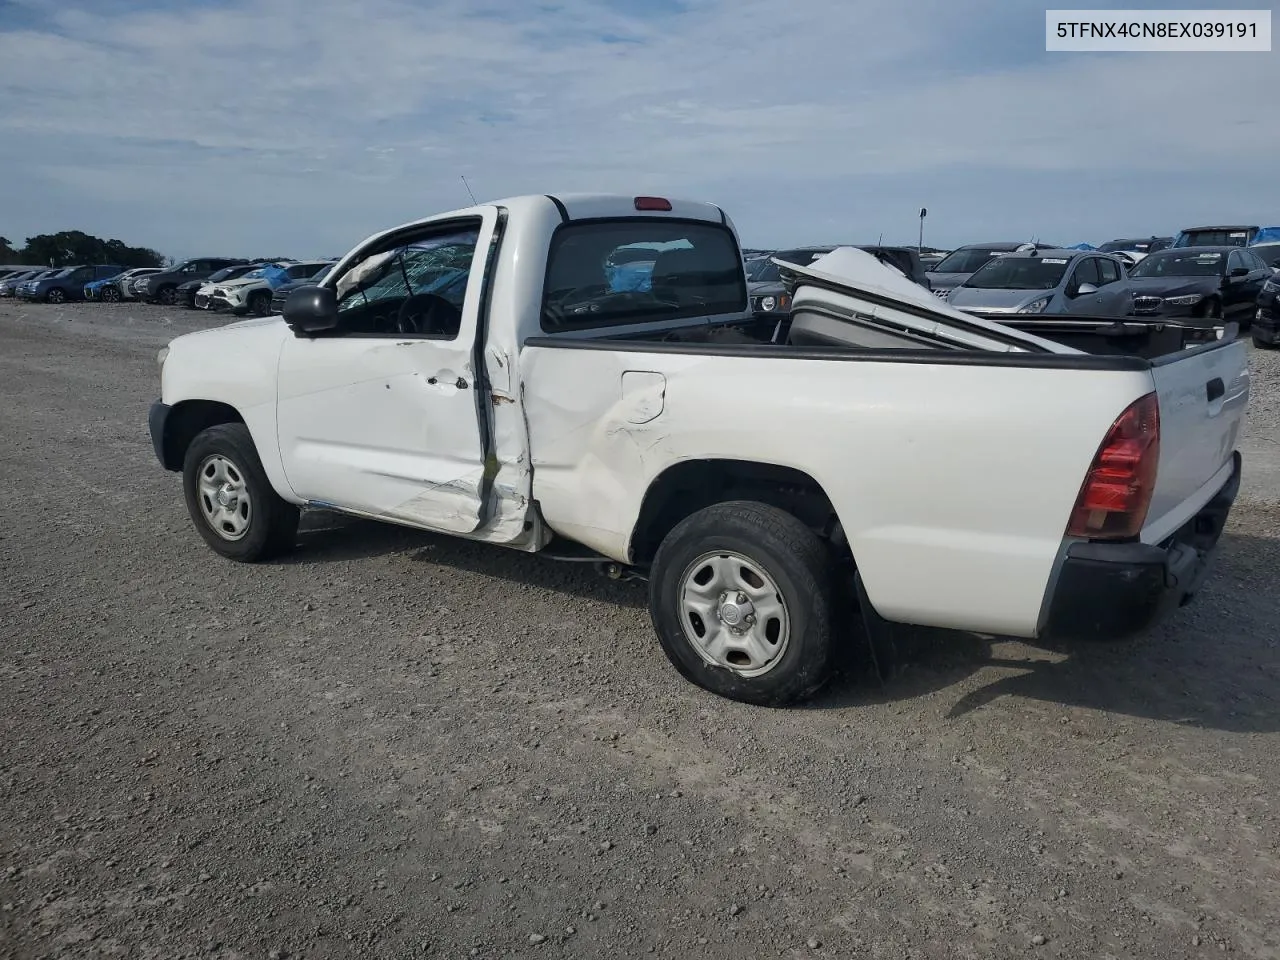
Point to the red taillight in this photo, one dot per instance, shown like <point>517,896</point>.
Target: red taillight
<point>1117,491</point>
<point>652,203</point>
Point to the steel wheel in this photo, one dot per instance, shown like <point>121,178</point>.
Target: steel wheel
<point>733,613</point>
<point>224,497</point>
<point>56,295</point>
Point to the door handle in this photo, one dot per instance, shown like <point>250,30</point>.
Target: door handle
<point>1214,389</point>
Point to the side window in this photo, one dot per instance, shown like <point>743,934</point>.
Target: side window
<point>416,288</point>
<point>1087,272</point>
<point>300,271</point>
<point>1235,261</point>
<point>1109,270</point>
<point>1255,262</point>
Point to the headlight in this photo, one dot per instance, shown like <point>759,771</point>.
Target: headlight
<point>162,356</point>
<point>768,303</point>
<point>1035,306</point>
<point>1189,300</point>
<point>1272,286</point>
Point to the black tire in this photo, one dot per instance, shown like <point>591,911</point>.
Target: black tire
<point>1213,310</point>
<point>272,526</point>
<point>56,295</point>
<point>799,564</point>
<point>166,296</point>
<point>260,303</point>
<point>110,295</point>
<point>1262,344</point>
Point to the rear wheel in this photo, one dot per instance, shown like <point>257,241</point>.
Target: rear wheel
<point>110,295</point>
<point>230,499</point>
<point>740,595</point>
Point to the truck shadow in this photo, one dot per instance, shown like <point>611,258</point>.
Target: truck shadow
<point>326,537</point>
<point>1214,665</point>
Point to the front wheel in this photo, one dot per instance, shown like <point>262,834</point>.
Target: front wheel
<point>230,499</point>
<point>260,303</point>
<point>740,594</point>
<point>110,295</point>
<point>167,296</point>
<point>1262,344</point>
<point>56,295</point>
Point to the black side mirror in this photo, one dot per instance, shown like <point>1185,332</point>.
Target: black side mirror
<point>311,309</point>
<point>1239,271</point>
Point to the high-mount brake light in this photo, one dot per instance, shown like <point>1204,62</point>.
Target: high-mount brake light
<point>1116,493</point>
<point>653,203</point>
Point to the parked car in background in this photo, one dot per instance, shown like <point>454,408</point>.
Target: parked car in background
<point>1046,282</point>
<point>1266,317</point>
<point>1141,246</point>
<point>117,288</point>
<point>127,283</point>
<point>1220,236</point>
<point>251,293</point>
<point>12,269</point>
<point>1213,284</point>
<point>768,294</point>
<point>93,289</point>
<point>9,285</point>
<point>281,293</point>
<point>66,284</point>
<point>964,261</point>
<point>195,293</point>
<point>163,287</point>
<point>1269,252</point>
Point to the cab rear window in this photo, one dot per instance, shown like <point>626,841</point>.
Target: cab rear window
<point>640,270</point>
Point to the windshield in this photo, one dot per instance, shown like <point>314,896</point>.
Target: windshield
<point>768,272</point>
<point>756,267</point>
<point>1170,263</point>
<point>226,273</point>
<point>1020,273</point>
<point>966,261</point>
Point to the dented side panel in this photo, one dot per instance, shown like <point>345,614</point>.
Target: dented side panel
<point>953,483</point>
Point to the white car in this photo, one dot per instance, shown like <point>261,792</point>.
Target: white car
<point>251,293</point>
<point>474,374</point>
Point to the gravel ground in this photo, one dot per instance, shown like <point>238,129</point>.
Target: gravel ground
<point>394,744</point>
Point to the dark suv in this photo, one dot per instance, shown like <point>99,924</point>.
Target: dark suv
<point>163,287</point>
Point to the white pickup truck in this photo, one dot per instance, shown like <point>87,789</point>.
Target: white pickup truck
<point>482,373</point>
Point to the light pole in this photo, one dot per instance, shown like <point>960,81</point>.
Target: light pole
<point>920,246</point>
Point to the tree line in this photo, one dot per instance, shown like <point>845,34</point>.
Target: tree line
<point>74,247</point>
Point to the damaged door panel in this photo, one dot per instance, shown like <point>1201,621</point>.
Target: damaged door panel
<point>389,425</point>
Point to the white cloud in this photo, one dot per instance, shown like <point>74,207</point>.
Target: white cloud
<point>292,123</point>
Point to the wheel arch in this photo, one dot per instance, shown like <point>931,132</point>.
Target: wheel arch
<point>691,485</point>
<point>187,420</point>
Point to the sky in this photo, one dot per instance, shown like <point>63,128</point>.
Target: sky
<point>298,127</point>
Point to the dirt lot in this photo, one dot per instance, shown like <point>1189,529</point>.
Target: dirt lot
<point>397,745</point>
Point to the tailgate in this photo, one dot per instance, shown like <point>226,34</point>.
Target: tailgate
<point>1203,394</point>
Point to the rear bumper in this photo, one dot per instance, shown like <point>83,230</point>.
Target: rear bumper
<point>1111,591</point>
